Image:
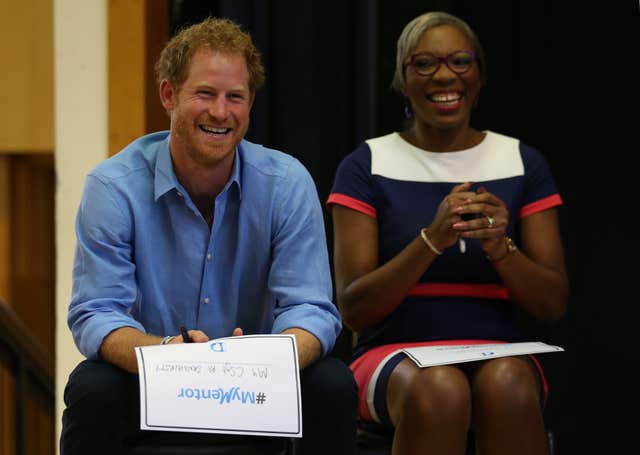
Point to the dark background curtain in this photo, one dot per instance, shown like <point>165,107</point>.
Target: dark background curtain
<point>561,77</point>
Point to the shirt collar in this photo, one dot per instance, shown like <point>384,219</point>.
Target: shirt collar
<point>166,180</point>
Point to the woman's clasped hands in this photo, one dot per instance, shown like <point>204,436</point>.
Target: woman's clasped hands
<point>464,213</point>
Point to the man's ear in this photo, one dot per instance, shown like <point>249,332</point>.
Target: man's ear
<point>167,95</point>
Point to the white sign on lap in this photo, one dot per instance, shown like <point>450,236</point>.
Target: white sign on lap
<point>426,356</point>
<point>238,385</point>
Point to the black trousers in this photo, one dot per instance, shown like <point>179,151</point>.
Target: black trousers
<point>102,414</point>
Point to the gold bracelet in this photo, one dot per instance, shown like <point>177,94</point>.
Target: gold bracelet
<point>423,234</point>
<point>511,248</point>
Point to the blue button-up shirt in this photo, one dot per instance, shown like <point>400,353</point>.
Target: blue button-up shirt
<point>145,257</point>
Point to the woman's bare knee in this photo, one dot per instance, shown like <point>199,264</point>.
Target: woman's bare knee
<point>510,384</point>
<point>435,396</point>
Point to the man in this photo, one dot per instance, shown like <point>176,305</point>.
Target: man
<point>201,228</point>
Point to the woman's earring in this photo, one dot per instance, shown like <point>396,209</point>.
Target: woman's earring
<point>408,112</point>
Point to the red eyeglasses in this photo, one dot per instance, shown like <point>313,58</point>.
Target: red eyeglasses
<point>426,63</point>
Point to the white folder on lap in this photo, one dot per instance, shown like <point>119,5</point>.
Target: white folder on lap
<point>426,356</point>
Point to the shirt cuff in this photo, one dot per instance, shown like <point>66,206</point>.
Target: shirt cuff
<point>90,337</point>
<point>323,324</point>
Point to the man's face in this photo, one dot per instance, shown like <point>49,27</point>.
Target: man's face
<point>210,112</point>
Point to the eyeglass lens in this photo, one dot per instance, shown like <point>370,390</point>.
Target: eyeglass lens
<point>426,63</point>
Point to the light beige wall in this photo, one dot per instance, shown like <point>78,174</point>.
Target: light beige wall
<point>81,141</point>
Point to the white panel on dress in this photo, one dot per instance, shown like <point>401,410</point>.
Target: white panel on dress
<point>496,157</point>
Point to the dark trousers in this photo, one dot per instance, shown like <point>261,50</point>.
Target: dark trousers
<point>102,414</point>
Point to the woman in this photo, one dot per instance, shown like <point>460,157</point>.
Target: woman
<point>446,234</point>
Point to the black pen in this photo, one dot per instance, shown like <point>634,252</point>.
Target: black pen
<point>185,335</point>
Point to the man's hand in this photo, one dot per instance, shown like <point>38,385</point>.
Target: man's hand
<point>197,336</point>
<point>118,347</point>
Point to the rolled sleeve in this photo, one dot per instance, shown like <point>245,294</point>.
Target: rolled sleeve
<point>104,286</point>
<point>300,277</point>
<point>323,323</point>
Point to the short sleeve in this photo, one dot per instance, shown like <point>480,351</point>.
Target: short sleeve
<point>353,184</point>
<point>540,192</point>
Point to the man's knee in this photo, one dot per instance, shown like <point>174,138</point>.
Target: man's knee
<point>330,378</point>
<point>329,402</point>
<point>98,414</point>
<point>95,388</point>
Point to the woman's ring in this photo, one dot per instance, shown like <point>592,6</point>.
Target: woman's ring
<point>491,222</point>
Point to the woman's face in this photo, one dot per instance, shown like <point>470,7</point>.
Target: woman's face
<point>444,99</point>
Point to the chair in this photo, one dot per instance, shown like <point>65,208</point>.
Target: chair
<point>373,439</point>
<point>160,443</point>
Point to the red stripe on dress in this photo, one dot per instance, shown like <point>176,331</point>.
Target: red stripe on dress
<point>485,291</point>
<point>542,204</point>
<point>352,203</point>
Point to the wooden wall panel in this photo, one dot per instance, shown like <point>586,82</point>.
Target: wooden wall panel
<point>5,229</point>
<point>26,46</point>
<point>7,406</point>
<point>126,72</point>
<point>157,35</point>
<point>32,240</point>
<point>26,240</point>
<point>138,29</point>
<point>27,275</point>
<point>39,417</point>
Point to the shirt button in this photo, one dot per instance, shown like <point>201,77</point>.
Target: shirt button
<point>208,256</point>
<point>206,300</point>
<point>180,194</point>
